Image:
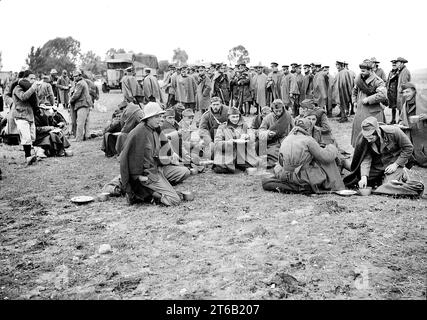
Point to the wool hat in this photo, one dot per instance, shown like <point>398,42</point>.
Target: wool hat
<point>308,104</point>
<point>215,99</point>
<point>276,103</point>
<point>265,108</point>
<point>369,126</point>
<point>408,85</point>
<point>233,110</point>
<point>170,112</point>
<point>188,113</point>
<point>179,106</point>
<point>366,64</point>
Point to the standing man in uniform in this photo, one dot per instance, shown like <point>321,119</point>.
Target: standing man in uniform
<point>64,86</point>
<point>273,84</point>
<point>132,91</point>
<point>297,89</point>
<point>344,87</point>
<point>378,71</point>
<point>368,92</point>
<point>392,82</point>
<point>186,88</point>
<point>221,84</point>
<point>320,89</point>
<point>285,87</point>
<point>204,89</point>
<point>404,77</point>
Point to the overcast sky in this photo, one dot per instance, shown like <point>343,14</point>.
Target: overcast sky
<point>301,31</point>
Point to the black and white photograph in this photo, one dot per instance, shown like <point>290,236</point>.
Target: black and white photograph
<point>228,150</point>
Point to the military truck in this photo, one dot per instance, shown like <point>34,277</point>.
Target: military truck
<point>117,64</point>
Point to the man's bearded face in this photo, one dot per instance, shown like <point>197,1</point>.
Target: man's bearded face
<point>216,106</point>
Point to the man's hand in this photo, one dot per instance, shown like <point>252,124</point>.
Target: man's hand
<point>271,133</point>
<point>365,100</point>
<point>391,168</point>
<point>363,182</point>
<point>423,116</point>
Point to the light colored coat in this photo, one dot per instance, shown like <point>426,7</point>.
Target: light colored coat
<point>259,82</point>
<point>203,97</point>
<point>404,77</point>
<point>186,89</point>
<point>373,108</point>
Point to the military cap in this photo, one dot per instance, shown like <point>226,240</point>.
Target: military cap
<point>170,112</point>
<point>215,99</point>
<point>188,113</point>
<point>306,65</point>
<point>317,64</point>
<point>374,60</point>
<point>294,64</point>
<point>265,108</point>
<point>408,85</point>
<point>233,110</point>
<point>308,104</point>
<point>340,62</point>
<point>179,106</point>
<point>285,66</point>
<point>274,63</point>
<point>297,65</point>
<point>366,64</point>
<point>325,67</point>
<point>403,60</point>
<point>276,103</point>
<point>393,61</point>
<point>77,73</point>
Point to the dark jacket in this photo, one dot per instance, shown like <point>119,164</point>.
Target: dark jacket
<point>81,97</point>
<point>210,121</point>
<point>142,154</point>
<point>395,147</point>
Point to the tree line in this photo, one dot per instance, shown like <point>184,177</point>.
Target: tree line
<point>65,54</point>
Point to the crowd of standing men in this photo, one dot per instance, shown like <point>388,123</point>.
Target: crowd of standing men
<point>243,87</point>
<point>33,114</point>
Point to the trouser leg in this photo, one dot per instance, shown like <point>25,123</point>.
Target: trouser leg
<point>397,175</point>
<point>175,174</point>
<point>169,196</point>
<point>273,184</point>
<point>82,123</point>
<point>73,117</point>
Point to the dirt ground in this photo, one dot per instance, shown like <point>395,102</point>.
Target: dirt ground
<point>234,241</point>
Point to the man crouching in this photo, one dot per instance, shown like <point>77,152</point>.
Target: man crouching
<point>145,162</point>
<point>304,167</point>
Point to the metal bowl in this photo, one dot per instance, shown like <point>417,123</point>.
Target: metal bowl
<point>365,191</point>
<point>188,195</point>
